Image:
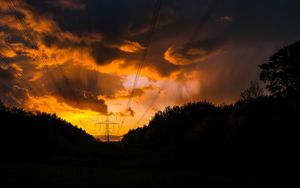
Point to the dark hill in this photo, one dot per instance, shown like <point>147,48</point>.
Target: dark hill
<point>36,133</point>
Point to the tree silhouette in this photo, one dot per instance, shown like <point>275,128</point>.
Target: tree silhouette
<point>282,72</point>
<point>253,92</point>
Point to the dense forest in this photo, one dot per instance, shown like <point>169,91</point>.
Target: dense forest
<point>264,125</point>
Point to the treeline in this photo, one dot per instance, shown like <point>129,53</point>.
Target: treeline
<point>23,132</point>
<point>261,125</point>
<point>265,121</point>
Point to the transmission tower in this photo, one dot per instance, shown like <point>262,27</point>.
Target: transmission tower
<point>107,127</point>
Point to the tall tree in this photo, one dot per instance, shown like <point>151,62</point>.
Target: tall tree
<point>282,73</point>
<point>253,92</point>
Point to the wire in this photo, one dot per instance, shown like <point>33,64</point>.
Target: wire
<point>29,37</point>
<point>148,42</point>
<point>5,63</point>
<point>198,28</point>
<point>154,99</point>
<point>13,8</point>
<point>20,75</point>
<point>212,5</point>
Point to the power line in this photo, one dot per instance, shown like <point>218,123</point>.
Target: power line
<point>148,42</point>
<point>29,37</point>
<point>11,6</point>
<point>212,5</point>
<point>20,75</point>
<point>154,99</point>
<point>25,30</point>
<point>24,84</point>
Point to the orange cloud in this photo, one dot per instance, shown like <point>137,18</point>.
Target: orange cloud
<point>9,21</point>
<point>33,28</point>
<point>173,58</point>
<point>16,69</point>
<point>125,94</point>
<point>128,112</point>
<point>131,47</point>
<point>181,56</point>
<point>124,67</point>
<point>6,52</point>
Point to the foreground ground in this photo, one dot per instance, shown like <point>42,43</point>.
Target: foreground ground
<point>112,166</point>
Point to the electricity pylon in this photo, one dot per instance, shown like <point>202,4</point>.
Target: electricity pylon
<point>107,124</point>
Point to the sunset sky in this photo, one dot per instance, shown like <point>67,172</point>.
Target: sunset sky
<point>79,58</point>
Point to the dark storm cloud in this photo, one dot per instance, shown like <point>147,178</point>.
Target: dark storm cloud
<point>13,35</point>
<point>116,19</point>
<point>105,55</point>
<point>6,81</point>
<point>68,4</point>
<point>6,75</point>
<point>111,18</point>
<point>81,99</point>
<point>224,77</point>
<point>81,88</point>
<point>15,97</point>
<point>12,92</point>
